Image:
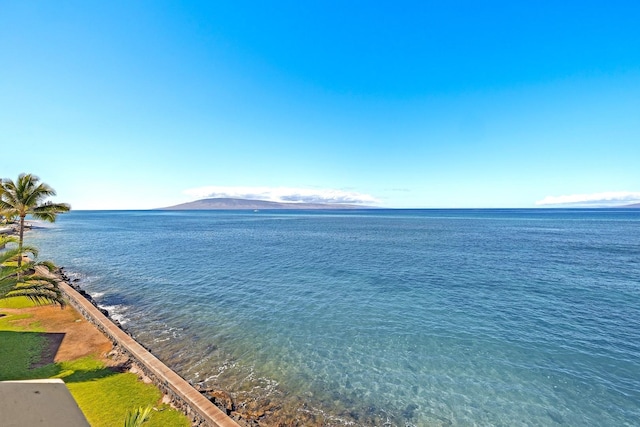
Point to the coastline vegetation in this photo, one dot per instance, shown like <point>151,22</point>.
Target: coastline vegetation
<point>20,273</point>
<point>27,196</point>
<point>27,279</point>
<point>107,395</point>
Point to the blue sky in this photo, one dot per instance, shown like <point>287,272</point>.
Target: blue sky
<point>135,105</point>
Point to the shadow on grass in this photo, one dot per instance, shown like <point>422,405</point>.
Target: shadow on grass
<point>22,354</point>
<point>30,355</point>
<point>81,376</point>
<point>52,342</point>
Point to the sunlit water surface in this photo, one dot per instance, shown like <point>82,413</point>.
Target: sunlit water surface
<point>410,318</point>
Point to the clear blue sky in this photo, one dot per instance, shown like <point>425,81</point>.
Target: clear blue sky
<point>143,104</point>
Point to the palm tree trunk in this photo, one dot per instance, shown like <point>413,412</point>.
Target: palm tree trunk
<point>20,241</point>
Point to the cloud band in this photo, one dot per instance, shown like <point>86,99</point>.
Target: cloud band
<point>282,194</point>
<point>612,198</point>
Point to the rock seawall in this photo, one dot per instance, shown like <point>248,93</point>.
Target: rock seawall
<point>201,411</point>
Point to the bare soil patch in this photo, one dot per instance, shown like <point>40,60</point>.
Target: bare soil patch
<point>71,335</point>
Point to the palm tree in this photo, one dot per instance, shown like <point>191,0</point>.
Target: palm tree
<point>30,278</point>
<point>27,197</point>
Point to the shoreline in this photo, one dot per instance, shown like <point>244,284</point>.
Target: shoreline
<point>205,311</point>
<point>241,412</point>
<point>239,406</point>
<point>213,410</point>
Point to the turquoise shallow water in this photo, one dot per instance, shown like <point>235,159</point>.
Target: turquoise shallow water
<point>437,317</point>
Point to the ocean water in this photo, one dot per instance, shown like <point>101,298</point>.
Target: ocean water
<point>397,318</point>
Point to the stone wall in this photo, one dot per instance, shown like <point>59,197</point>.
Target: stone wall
<point>201,411</point>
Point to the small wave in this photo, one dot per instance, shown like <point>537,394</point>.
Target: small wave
<point>167,333</point>
<point>116,312</point>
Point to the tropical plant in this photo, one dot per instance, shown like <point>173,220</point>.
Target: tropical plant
<point>25,197</point>
<point>138,417</point>
<point>22,276</point>
<point>5,216</point>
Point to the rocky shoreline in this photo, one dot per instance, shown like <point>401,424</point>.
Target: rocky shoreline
<point>246,414</point>
<point>220,398</point>
<point>244,411</point>
<point>74,284</point>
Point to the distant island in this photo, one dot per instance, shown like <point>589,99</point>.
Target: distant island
<point>225,203</point>
<point>247,204</point>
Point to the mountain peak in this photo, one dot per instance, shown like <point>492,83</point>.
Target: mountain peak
<point>248,204</point>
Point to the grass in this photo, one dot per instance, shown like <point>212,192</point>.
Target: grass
<point>17,302</point>
<point>19,350</point>
<point>104,395</point>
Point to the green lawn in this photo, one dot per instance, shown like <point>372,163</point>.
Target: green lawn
<point>103,395</point>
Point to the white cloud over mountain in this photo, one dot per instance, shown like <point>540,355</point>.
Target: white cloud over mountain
<point>612,198</point>
<point>283,194</point>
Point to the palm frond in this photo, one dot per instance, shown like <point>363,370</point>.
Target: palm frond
<point>29,278</point>
<point>49,211</point>
<point>39,289</point>
<point>50,266</point>
<point>12,255</point>
<point>40,295</point>
<point>7,239</point>
<point>5,206</point>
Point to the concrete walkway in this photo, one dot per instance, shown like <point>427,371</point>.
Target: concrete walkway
<point>33,403</point>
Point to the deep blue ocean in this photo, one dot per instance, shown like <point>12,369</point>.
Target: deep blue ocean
<point>403,317</point>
